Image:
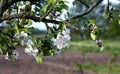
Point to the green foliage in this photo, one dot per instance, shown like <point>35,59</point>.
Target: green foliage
<point>110,46</point>
<point>45,8</point>
<point>52,2</point>
<point>38,59</point>
<point>114,26</point>
<point>104,16</point>
<point>17,32</point>
<point>100,68</point>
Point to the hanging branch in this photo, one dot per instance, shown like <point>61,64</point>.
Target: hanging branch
<point>5,4</point>
<point>88,10</point>
<point>109,13</point>
<point>47,13</point>
<point>84,3</point>
<point>38,19</point>
<point>108,5</point>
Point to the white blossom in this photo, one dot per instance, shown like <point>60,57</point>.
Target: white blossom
<point>26,42</point>
<point>0,50</point>
<point>31,51</point>
<point>16,36</point>
<point>62,39</point>
<point>28,50</point>
<point>68,37</point>
<point>15,54</point>
<point>56,40</point>
<point>29,42</point>
<point>7,56</point>
<point>20,8</point>
<point>35,52</point>
<point>53,40</point>
<point>23,42</point>
<point>101,48</point>
<point>98,41</point>
<point>57,51</point>
<point>66,31</point>
<point>23,34</point>
<point>66,34</point>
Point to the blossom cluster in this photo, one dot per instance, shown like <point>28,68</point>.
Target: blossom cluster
<point>12,57</point>
<point>25,41</point>
<point>100,44</point>
<point>30,48</point>
<point>61,40</point>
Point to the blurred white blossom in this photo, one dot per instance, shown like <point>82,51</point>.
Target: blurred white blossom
<point>101,48</point>
<point>15,54</point>
<point>62,39</point>
<point>23,34</point>
<point>31,51</point>
<point>66,31</point>
<point>0,50</point>
<point>29,42</point>
<point>98,41</point>
<point>20,8</point>
<point>17,36</point>
<point>7,56</point>
<point>23,42</point>
<point>25,39</point>
<point>57,51</point>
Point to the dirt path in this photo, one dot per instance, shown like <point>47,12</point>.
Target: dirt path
<point>61,64</point>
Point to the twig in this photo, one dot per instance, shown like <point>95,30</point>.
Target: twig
<point>69,24</point>
<point>86,5</point>
<point>48,12</point>
<point>37,19</point>
<point>27,16</point>
<point>88,11</point>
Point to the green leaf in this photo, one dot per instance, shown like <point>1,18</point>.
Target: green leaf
<point>51,1</point>
<point>93,36</point>
<point>61,26</point>
<point>16,29</point>
<point>68,14</point>
<point>36,9</point>
<point>119,22</point>
<point>45,8</point>
<point>38,59</point>
<point>29,22</point>
<point>92,21</point>
<point>1,51</point>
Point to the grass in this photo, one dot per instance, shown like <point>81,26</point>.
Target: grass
<point>110,46</point>
<point>99,69</point>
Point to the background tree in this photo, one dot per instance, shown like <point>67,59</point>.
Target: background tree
<point>103,14</point>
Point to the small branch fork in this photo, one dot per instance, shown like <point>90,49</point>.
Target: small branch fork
<point>7,3</point>
<point>88,10</point>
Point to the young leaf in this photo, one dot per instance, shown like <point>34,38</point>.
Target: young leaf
<point>45,8</point>
<point>93,36</point>
<point>1,51</point>
<point>92,21</point>
<point>51,2</point>
<point>16,29</point>
<point>38,59</point>
<point>61,26</point>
